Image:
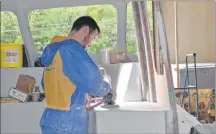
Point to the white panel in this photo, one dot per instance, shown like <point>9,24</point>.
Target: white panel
<point>22,118</point>
<point>22,17</point>
<point>140,117</point>
<point>186,121</point>
<point>126,80</point>
<point>205,75</point>
<point>28,5</point>
<point>121,27</point>
<point>132,90</point>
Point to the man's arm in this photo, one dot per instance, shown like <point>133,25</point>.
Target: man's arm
<point>82,71</point>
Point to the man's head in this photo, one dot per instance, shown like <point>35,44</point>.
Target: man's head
<point>85,30</point>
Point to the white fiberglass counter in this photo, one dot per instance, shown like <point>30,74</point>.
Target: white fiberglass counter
<point>128,118</point>
<point>133,117</point>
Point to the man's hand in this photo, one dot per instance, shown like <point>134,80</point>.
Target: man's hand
<point>93,99</point>
<point>114,95</point>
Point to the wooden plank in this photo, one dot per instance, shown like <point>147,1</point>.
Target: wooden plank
<point>173,120</point>
<point>148,50</point>
<point>141,50</point>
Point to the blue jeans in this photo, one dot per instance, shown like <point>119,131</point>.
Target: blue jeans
<point>49,130</point>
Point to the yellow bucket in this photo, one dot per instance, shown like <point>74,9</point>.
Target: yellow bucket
<point>11,55</point>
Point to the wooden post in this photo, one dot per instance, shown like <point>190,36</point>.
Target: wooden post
<point>148,50</point>
<point>215,49</point>
<point>173,117</point>
<point>140,50</point>
<point>176,41</point>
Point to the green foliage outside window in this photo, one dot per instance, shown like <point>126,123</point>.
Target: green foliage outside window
<point>47,23</point>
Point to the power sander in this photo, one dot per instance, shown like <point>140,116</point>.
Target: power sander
<point>108,102</point>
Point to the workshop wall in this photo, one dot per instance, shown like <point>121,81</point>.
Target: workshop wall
<point>196,29</point>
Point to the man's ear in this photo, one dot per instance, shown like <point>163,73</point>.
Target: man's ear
<point>86,30</point>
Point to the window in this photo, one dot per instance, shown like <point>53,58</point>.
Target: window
<point>47,23</point>
<point>10,32</point>
<point>131,31</point>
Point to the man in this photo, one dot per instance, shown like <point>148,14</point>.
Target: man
<point>69,75</point>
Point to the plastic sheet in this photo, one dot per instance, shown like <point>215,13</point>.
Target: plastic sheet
<point>81,70</point>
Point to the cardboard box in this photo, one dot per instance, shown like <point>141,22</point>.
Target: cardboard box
<point>18,94</point>
<point>26,83</point>
<point>119,57</point>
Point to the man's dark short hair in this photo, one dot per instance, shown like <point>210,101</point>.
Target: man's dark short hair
<point>85,21</point>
